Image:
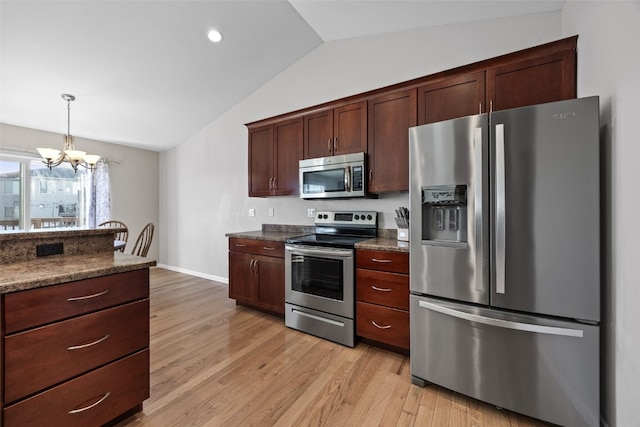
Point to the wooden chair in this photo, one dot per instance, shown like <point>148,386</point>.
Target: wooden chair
<point>143,242</point>
<point>120,235</point>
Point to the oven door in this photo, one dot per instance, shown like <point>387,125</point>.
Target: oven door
<point>320,278</point>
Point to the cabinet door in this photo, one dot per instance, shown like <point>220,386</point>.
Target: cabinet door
<point>350,128</point>
<point>288,151</point>
<point>270,289</point>
<point>390,117</point>
<point>260,161</point>
<point>318,134</point>
<point>451,98</point>
<point>241,277</point>
<point>534,81</point>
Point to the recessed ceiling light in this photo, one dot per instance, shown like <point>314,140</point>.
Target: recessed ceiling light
<point>215,36</point>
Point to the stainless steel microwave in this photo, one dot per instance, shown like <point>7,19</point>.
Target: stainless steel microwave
<point>333,177</point>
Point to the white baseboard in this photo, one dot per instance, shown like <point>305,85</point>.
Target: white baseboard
<point>224,280</point>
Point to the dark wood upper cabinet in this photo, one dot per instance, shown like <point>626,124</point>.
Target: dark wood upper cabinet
<point>288,152</point>
<point>336,131</point>
<point>533,81</point>
<point>390,117</point>
<point>260,161</point>
<point>377,122</point>
<point>458,96</point>
<point>274,152</point>
<point>350,128</point>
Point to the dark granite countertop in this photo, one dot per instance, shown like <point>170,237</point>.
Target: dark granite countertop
<point>47,271</point>
<point>384,244</point>
<point>386,240</point>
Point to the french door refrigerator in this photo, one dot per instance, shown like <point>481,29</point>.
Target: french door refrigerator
<point>505,258</point>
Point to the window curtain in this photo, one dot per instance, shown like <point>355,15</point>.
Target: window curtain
<point>99,198</point>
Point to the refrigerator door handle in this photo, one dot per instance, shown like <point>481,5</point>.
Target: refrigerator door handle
<point>478,203</point>
<point>499,323</point>
<point>500,211</point>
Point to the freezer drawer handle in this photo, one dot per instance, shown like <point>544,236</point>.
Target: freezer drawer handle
<point>518,326</point>
<point>318,318</point>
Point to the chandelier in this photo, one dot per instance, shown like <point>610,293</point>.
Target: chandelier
<point>53,157</point>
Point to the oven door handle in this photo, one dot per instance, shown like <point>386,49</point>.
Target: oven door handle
<point>322,252</point>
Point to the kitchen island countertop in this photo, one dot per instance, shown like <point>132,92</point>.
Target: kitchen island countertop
<point>20,276</point>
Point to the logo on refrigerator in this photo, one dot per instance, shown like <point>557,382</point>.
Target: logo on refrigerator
<point>564,115</point>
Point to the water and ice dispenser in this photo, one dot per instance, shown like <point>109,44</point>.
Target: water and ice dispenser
<point>444,214</point>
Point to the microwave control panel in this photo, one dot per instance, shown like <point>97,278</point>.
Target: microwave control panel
<point>357,178</point>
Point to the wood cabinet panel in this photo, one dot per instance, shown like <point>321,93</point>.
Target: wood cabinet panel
<point>260,161</point>
<point>318,134</point>
<point>383,324</point>
<point>256,274</point>
<point>288,152</point>
<point>458,96</point>
<point>390,117</point>
<point>65,349</point>
<point>88,400</point>
<point>241,282</point>
<point>397,262</point>
<point>383,288</point>
<point>71,299</point>
<point>533,81</point>
<point>350,129</point>
<point>270,272</point>
<point>258,247</point>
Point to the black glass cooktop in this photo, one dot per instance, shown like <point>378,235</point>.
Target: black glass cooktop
<point>328,240</point>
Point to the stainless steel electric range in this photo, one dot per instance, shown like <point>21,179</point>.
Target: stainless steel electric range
<point>320,275</point>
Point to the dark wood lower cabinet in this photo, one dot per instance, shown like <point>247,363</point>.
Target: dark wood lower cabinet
<point>82,358</point>
<point>256,274</point>
<point>382,298</point>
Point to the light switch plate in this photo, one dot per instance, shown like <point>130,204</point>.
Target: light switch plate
<point>271,212</point>
<point>252,212</point>
<point>311,213</point>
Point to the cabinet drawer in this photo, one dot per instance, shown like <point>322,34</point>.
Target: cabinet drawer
<point>392,324</point>
<point>59,302</point>
<point>258,247</point>
<point>88,400</point>
<point>397,262</point>
<point>382,288</point>
<point>65,349</point>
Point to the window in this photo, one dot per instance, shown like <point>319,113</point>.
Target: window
<point>50,199</point>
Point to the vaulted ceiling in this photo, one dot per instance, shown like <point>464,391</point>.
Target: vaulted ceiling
<point>144,73</point>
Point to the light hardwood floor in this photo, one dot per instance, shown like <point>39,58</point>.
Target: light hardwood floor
<point>217,364</point>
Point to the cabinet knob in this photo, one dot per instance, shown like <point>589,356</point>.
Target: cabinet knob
<point>329,145</point>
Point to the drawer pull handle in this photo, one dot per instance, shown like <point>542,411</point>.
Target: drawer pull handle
<point>93,405</point>
<point>267,248</point>
<point>380,260</point>
<point>240,246</point>
<point>99,294</point>
<point>81,346</point>
<point>375,288</point>
<point>380,327</point>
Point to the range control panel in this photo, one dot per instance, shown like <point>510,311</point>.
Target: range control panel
<point>359,218</point>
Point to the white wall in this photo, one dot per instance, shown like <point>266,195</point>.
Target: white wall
<point>204,180</point>
<point>134,182</point>
<point>609,66</point>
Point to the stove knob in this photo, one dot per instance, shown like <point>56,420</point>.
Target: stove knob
<point>325,216</point>
<point>319,216</point>
<point>357,217</point>
<point>369,217</point>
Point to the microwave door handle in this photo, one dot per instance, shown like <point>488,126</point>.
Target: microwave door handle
<point>347,178</point>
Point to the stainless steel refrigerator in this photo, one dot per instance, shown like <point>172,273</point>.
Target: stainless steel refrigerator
<point>505,258</point>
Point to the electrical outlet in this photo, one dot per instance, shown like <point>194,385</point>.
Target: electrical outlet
<point>311,213</point>
<point>271,212</point>
<point>252,212</point>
